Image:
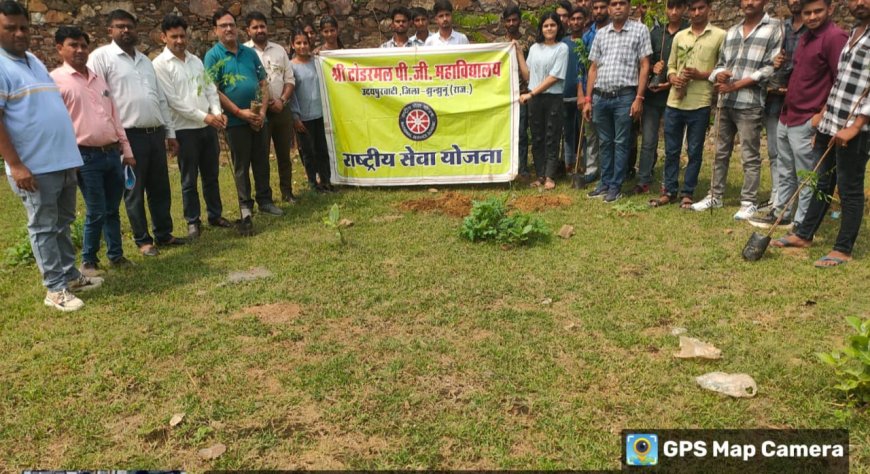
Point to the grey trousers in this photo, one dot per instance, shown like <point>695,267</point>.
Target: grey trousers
<point>796,153</point>
<point>748,123</point>
<point>592,148</point>
<point>50,211</point>
<point>772,109</point>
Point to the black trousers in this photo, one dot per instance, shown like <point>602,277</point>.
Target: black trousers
<point>315,154</point>
<point>250,150</point>
<point>198,152</point>
<point>546,117</point>
<point>152,179</point>
<point>280,130</point>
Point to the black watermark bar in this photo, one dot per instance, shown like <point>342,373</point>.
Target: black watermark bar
<point>736,451</point>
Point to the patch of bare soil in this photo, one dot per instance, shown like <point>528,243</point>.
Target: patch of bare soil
<point>541,202</point>
<point>275,313</point>
<point>450,203</point>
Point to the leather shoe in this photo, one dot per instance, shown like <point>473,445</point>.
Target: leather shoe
<point>271,209</point>
<point>220,222</point>
<point>193,231</point>
<point>172,242</point>
<point>149,250</point>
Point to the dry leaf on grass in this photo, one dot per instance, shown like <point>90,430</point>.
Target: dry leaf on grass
<point>176,419</point>
<point>547,301</point>
<point>728,231</point>
<point>345,223</point>
<point>212,452</point>
<point>566,231</point>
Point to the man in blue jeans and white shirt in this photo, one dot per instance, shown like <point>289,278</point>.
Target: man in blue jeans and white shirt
<point>616,85</point>
<point>39,149</point>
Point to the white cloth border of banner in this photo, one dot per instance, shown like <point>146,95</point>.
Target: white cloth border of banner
<point>422,51</point>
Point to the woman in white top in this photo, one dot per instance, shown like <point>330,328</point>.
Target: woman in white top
<point>545,71</point>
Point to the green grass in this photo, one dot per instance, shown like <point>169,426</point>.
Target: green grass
<point>413,348</point>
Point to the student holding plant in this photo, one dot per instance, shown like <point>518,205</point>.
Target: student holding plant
<point>693,55</point>
<point>545,70</point>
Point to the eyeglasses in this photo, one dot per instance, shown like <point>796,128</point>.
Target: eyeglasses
<point>226,26</point>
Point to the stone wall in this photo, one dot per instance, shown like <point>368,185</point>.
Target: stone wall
<point>362,23</point>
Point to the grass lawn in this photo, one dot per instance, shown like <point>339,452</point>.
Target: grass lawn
<point>411,348</point>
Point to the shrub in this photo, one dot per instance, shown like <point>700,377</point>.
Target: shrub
<point>852,364</point>
<point>489,221</point>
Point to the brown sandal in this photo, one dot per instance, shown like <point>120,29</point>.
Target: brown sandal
<point>662,200</point>
<point>686,202</point>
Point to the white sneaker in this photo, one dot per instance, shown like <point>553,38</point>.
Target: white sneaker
<point>747,210</point>
<point>83,283</point>
<point>63,300</point>
<point>708,202</point>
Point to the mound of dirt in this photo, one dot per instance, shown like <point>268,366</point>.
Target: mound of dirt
<point>450,203</point>
<point>541,202</point>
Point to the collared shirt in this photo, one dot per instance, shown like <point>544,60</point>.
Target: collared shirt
<point>704,55</point>
<point>278,71</point>
<point>89,102</point>
<point>306,103</point>
<point>418,42</point>
<point>391,43</point>
<point>190,93</point>
<point>853,76</point>
<point>455,37</point>
<point>134,86</point>
<point>661,40</point>
<point>589,35</point>
<point>34,116</point>
<point>750,57</point>
<point>781,76</point>
<point>815,70</point>
<point>618,54</point>
<point>246,71</point>
<point>548,60</point>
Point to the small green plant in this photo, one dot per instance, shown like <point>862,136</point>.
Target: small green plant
<point>583,54</point>
<point>21,253</point>
<point>852,364</point>
<point>467,21</point>
<point>489,221</point>
<point>216,75</point>
<point>629,208</point>
<point>812,179</point>
<point>333,221</point>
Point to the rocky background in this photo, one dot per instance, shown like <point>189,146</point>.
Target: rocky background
<point>362,23</point>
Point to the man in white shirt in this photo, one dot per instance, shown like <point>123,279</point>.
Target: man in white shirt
<point>420,19</point>
<point>197,116</point>
<point>443,12</point>
<point>279,120</point>
<point>148,125</point>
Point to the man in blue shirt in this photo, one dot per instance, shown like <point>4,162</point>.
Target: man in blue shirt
<point>239,75</point>
<point>38,145</point>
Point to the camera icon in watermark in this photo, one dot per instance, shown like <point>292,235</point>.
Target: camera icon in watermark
<point>641,449</point>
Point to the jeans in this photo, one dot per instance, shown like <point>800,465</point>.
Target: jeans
<point>101,180</point>
<point>613,122</point>
<point>748,123</point>
<point>250,150</point>
<point>795,153</point>
<point>843,168</point>
<point>280,132</point>
<point>545,120</point>
<point>315,153</point>
<point>571,129</point>
<point>50,211</point>
<point>772,109</point>
<point>523,142</point>
<point>652,121</point>
<point>198,153</point>
<point>152,178</point>
<point>693,124</point>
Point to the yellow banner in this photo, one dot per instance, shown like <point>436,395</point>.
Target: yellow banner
<point>436,115</point>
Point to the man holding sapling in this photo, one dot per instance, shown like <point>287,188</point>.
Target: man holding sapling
<point>745,63</point>
<point>694,53</point>
<point>196,112</point>
<point>813,75</point>
<point>846,164</point>
<point>279,120</point>
<point>148,124</point>
<point>661,39</point>
<point>244,92</point>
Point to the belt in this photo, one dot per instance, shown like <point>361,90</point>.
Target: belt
<point>144,130</point>
<point>101,149</point>
<point>614,93</point>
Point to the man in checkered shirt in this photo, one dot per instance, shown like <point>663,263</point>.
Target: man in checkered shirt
<point>745,64</point>
<point>844,167</point>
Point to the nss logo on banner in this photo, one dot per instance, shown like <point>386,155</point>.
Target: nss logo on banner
<point>418,121</point>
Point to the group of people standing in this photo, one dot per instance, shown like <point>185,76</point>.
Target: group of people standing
<point>803,79</point>
<point>105,121</point>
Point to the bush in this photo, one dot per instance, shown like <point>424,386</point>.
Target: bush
<point>852,364</point>
<point>489,221</point>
